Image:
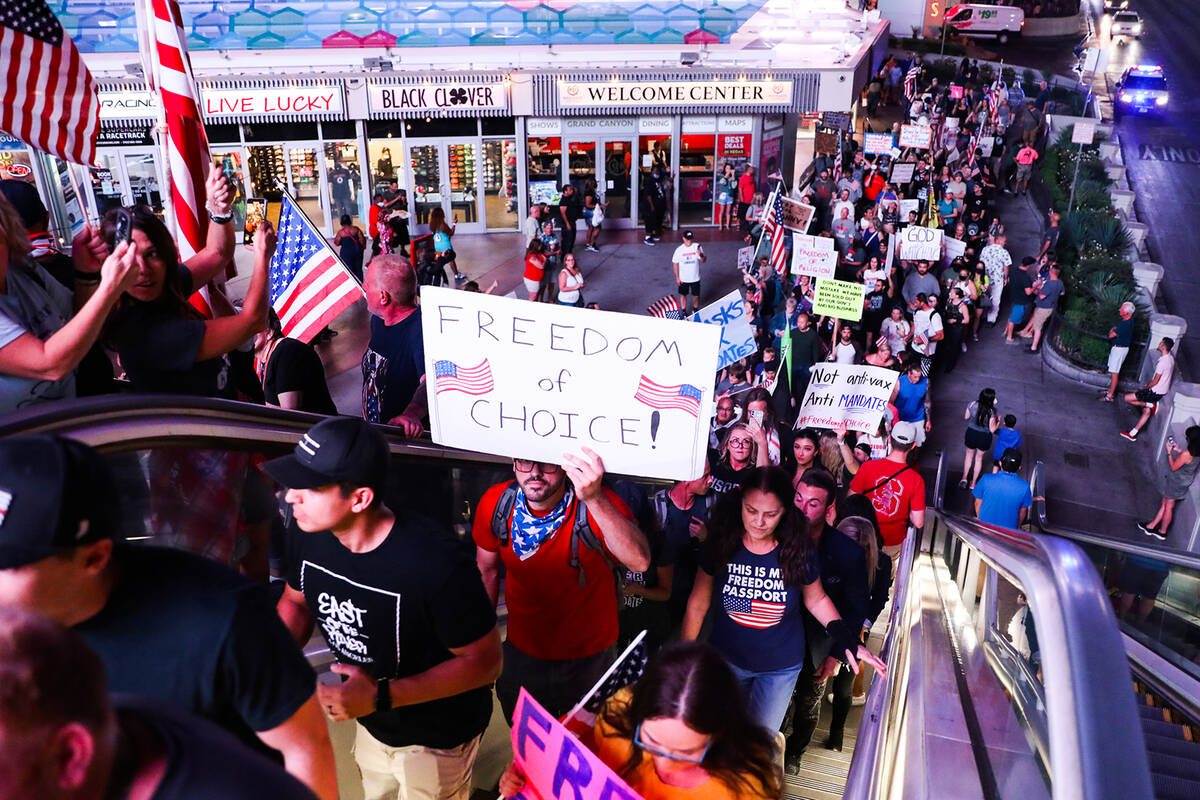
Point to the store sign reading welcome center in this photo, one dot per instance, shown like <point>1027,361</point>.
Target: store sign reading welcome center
<point>436,97</point>
<point>674,93</point>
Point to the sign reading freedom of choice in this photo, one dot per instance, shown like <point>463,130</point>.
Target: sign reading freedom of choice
<point>854,395</point>
<point>535,381</point>
<point>555,764</point>
<point>841,299</point>
<point>737,337</point>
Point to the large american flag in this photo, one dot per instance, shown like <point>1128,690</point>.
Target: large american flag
<point>49,98</point>
<point>450,377</point>
<point>309,284</point>
<point>773,227</point>
<point>684,396</point>
<point>910,80</point>
<point>753,613</point>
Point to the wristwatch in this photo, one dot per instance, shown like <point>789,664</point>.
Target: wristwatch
<point>383,695</point>
<point>220,219</point>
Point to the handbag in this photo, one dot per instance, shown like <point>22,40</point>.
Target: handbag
<point>597,215</point>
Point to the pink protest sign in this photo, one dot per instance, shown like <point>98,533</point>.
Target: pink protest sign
<point>555,764</point>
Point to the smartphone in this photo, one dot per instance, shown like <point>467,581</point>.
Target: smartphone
<point>256,212</point>
<point>122,227</point>
<point>757,416</point>
<point>1171,442</point>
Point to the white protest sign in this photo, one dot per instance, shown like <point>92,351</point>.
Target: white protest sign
<point>535,381</point>
<point>877,143</point>
<point>1083,132</point>
<point>813,255</point>
<point>855,395</point>
<point>903,172</point>
<point>920,244</point>
<point>919,136</point>
<point>954,247</point>
<point>907,206</point>
<point>737,337</point>
<point>985,144</point>
<point>745,258</point>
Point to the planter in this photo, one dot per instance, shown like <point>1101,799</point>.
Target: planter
<point>1116,172</point>
<point>1111,151</point>
<point>1148,276</point>
<point>1137,233</point>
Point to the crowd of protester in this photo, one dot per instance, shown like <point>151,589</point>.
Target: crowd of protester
<point>780,556</point>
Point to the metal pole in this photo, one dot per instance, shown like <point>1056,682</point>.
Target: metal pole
<point>1078,158</point>
<point>943,51</point>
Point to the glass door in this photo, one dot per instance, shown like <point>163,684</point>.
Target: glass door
<point>141,172</point>
<point>500,202</point>
<point>614,183</point>
<point>306,181</point>
<point>462,174</point>
<point>426,163</point>
<point>446,176</point>
<point>345,183</point>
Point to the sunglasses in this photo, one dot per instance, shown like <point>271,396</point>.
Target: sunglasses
<point>521,465</point>
<point>649,748</point>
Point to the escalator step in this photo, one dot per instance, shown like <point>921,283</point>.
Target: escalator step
<point>1176,767</point>
<point>1169,788</point>
<point>1172,746</point>
<point>1166,729</point>
<point>1152,713</point>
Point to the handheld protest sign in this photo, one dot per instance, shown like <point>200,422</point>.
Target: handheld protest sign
<point>796,216</point>
<point>918,136</point>
<point>841,299</point>
<point>737,337</point>
<point>813,255</point>
<point>877,143</point>
<point>535,381</point>
<point>745,258</point>
<point>920,244</point>
<point>854,395</point>
<point>903,172</point>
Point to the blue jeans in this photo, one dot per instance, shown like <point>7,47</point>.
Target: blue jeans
<point>768,694</point>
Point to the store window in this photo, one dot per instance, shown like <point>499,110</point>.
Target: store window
<point>545,169</point>
<point>107,187</point>
<point>345,181</point>
<point>696,180</point>
<point>267,170</point>
<point>385,156</point>
<point>654,152</point>
<point>230,162</point>
<point>14,160</point>
<point>500,184</point>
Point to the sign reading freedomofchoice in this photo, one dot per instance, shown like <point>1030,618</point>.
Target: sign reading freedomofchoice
<point>533,380</point>
<point>674,93</point>
<point>855,395</point>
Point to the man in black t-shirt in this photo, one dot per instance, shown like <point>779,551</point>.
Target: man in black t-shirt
<point>401,605</point>
<point>341,181</point>
<point>63,737</point>
<point>394,363</point>
<point>569,211</point>
<point>166,624</point>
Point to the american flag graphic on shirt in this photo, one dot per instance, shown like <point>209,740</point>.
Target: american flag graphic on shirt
<point>753,613</point>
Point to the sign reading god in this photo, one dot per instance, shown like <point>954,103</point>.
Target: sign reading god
<point>854,395</point>
<point>920,244</point>
<point>841,299</point>
<point>555,764</point>
<point>535,381</point>
<point>737,337</point>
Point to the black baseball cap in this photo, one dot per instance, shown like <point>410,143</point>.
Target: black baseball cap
<point>1010,460</point>
<point>55,494</point>
<point>337,450</point>
<point>24,198</point>
<point>687,234</point>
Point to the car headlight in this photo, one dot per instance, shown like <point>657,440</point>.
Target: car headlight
<point>1125,97</point>
<point>1137,28</point>
<point>1162,101</point>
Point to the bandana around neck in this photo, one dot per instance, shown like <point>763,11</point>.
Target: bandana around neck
<point>529,531</point>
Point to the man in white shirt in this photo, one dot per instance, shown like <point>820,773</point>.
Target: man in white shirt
<point>1148,397</point>
<point>996,260</point>
<point>927,330</point>
<point>686,263</point>
<point>532,226</point>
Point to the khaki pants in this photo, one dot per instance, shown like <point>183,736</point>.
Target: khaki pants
<point>414,772</point>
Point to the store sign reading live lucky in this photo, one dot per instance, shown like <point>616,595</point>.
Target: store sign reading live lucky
<point>269,101</point>
<point>619,94</point>
<point>854,395</point>
<point>555,764</point>
<point>438,97</point>
<point>534,380</point>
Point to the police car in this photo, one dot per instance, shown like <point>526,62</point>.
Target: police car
<point>1115,5</point>
<point>1141,90</point>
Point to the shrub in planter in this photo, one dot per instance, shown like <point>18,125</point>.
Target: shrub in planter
<point>1094,351</point>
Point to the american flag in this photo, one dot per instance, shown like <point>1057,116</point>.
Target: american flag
<point>910,80</point>
<point>993,100</point>
<point>309,284</point>
<point>753,613</point>
<point>684,397</point>
<point>50,98</point>
<point>773,227</point>
<point>666,308</point>
<point>628,671</point>
<point>450,377</point>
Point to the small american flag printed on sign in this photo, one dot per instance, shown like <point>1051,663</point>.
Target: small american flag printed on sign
<point>449,377</point>
<point>753,613</point>
<point>666,308</point>
<point>684,397</point>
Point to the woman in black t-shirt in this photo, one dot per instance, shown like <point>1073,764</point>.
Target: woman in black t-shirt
<point>290,371</point>
<point>744,447</point>
<point>163,343</point>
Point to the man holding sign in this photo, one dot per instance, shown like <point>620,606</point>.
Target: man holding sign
<point>562,538</point>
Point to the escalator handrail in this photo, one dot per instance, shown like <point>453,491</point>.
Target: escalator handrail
<point>1086,676</point>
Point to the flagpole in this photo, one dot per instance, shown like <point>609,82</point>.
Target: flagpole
<point>579,706</point>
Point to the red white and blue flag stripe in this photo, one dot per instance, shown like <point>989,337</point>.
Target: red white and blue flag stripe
<point>684,397</point>
<point>773,227</point>
<point>309,284</point>
<point>666,308</point>
<point>450,377</point>
<point>753,613</point>
<point>910,80</point>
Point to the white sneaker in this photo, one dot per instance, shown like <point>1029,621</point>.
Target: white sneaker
<point>859,700</point>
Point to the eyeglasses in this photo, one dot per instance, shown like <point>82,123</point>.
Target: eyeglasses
<point>740,442</point>
<point>521,465</point>
<point>649,748</point>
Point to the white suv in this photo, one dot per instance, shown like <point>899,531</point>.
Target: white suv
<point>1126,23</point>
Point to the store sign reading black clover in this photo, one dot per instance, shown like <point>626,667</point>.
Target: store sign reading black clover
<point>431,97</point>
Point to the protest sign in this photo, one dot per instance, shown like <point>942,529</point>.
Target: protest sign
<point>954,248</point>
<point>985,145</point>
<point>919,136</point>
<point>903,172</point>
<point>855,395</point>
<point>813,255</point>
<point>837,120</point>
<point>920,244</point>
<point>907,206</point>
<point>555,764</point>
<point>796,215</point>
<point>737,337</point>
<point>951,123</point>
<point>877,143</point>
<point>825,143</point>
<point>956,91</point>
<point>841,299</point>
<point>745,256</point>
<point>535,381</point>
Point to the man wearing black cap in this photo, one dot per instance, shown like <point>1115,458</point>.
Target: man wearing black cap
<point>36,219</point>
<point>403,608</point>
<point>686,263</point>
<point>166,624</point>
<point>1003,498</point>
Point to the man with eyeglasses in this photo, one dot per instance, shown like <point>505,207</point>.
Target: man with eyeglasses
<point>725,418</point>
<point>561,586</point>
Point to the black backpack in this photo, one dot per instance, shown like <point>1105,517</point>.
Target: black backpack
<point>581,531</point>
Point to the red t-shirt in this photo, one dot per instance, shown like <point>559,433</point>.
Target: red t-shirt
<point>550,616</point>
<point>872,187</point>
<point>373,221</point>
<point>535,267</point>
<point>892,500</point>
<point>746,188</point>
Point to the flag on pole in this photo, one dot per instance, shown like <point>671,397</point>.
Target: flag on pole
<point>773,228</point>
<point>910,80</point>
<point>49,99</point>
<point>309,284</point>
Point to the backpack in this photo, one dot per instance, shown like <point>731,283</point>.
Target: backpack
<point>661,507</point>
<point>581,531</point>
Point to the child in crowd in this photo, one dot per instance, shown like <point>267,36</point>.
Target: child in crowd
<point>1006,437</point>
